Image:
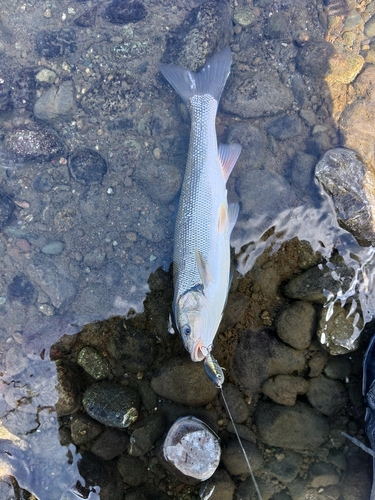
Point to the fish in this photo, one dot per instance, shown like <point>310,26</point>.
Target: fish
<point>204,222</point>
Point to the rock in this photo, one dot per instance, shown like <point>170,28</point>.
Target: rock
<point>167,177</point>
<point>222,484</point>
<point>234,311</point>
<point>178,381</point>
<point>24,88</point>
<point>257,94</point>
<point>233,459</point>
<point>5,82</point>
<point>132,469</point>
<point>311,284</point>
<point>284,466</point>
<point>111,404</point>
<point>206,30</point>
<point>21,290</point>
<point>46,76</point>
<point>322,475</point>
<point>370,27</point>
<point>15,360</point>
<point>317,362</point>
<point>344,67</point>
<point>326,395</point>
<point>244,17</point>
<point>56,104</point>
<point>125,11</point>
<point>191,450</point>
<point>253,142</point>
<point>283,389</point>
<point>94,364</point>
<point>296,324</point>
<point>32,142</point>
<point>49,43</point>
<point>302,173</point>
<point>99,473</point>
<point>83,429</point>
<point>6,209</point>
<point>238,407</point>
<point>313,58</point>
<point>339,334</point>
<point>87,166</point>
<point>87,19</point>
<point>297,428</point>
<point>349,181</point>
<point>110,444</point>
<point>277,25</point>
<point>132,347</point>
<point>260,355</point>
<point>69,397</point>
<point>53,248</point>
<point>145,435</point>
<point>338,367</point>
<point>246,490</point>
<point>283,128</point>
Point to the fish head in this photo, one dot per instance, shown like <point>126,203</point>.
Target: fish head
<point>190,320</point>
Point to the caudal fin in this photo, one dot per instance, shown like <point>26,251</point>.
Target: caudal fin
<point>210,80</point>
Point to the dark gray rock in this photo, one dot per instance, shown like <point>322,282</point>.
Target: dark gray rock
<point>323,475</point>
<point>50,43</point>
<point>5,82</point>
<point>132,469</point>
<point>24,88</point>
<point>87,19</point>
<point>110,444</point>
<point>313,58</point>
<point>302,173</point>
<point>146,434</point>
<point>284,389</point>
<point>57,103</point>
<point>296,324</point>
<point>344,176</point>
<point>32,142</point>
<point>178,381</point>
<point>277,25</point>
<point>238,407</point>
<point>124,12</point>
<point>257,94</point>
<point>284,466</point>
<point>298,427</point>
<point>166,177</point>
<point>111,404</point>
<point>6,209</point>
<point>246,490</point>
<point>84,429</point>
<point>253,142</point>
<point>222,484</point>
<point>22,290</point>
<point>68,392</point>
<point>93,363</point>
<point>260,355</point>
<point>338,367</point>
<point>283,128</point>
<point>326,395</point>
<point>233,459</point>
<point>87,166</point>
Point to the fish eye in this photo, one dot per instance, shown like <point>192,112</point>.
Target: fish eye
<point>186,330</point>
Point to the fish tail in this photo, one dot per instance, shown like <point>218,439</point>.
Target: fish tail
<point>210,80</point>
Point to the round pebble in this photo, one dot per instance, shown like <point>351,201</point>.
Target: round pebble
<point>87,166</point>
<point>120,12</point>
<point>53,248</point>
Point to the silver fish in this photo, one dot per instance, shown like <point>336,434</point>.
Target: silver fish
<point>201,260</point>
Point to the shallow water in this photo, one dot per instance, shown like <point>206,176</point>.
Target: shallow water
<point>79,251</point>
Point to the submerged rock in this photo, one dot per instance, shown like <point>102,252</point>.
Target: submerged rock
<point>351,184</point>
<point>87,166</point>
<point>57,103</point>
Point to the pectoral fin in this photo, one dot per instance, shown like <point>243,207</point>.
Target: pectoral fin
<point>203,269</point>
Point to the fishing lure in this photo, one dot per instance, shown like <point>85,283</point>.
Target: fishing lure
<point>216,374</point>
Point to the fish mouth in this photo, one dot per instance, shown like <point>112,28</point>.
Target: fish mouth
<point>197,354</point>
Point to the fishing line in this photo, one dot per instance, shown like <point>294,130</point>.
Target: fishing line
<point>216,375</point>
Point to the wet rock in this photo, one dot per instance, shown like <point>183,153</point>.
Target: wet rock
<point>260,355</point>
<point>69,397</point>
<point>22,290</point>
<point>233,459</point>
<point>112,405</point>
<point>148,397</point>
<point>49,43</point>
<point>338,367</point>
<point>57,103</point>
<point>125,11</point>
<point>312,284</point>
<point>370,27</point>
<point>178,381</point>
<point>206,30</point>
<point>326,395</point>
<point>264,192</point>
<point>283,128</point>
<point>5,82</point>
<point>235,310</point>
<point>110,444</point>
<point>132,347</point>
<point>222,484</point>
<point>132,469</point>
<point>296,324</point>
<point>83,429</point>
<point>93,363</point>
<point>238,407</point>
<point>87,166</point>
<point>257,94</point>
<point>32,142</point>
<point>53,248</point>
<point>277,25</point>
<point>15,360</point>
<point>297,428</point>
<point>43,183</point>
<point>317,362</point>
<point>244,17</point>
<point>6,209</point>
<point>339,334</point>
<point>96,472</point>
<point>344,67</point>
<point>46,76</point>
<point>167,177</point>
<point>24,88</point>
<point>284,389</point>
<point>322,475</point>
<point>313,58</point>
<point>350,183</point>
<point>252,140</point>
<point>146,434</point>
<point>190,450</point>
<point>87,19</point>
<point>246,490</point>
<point>302,173</point>
<point>284,466</point>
